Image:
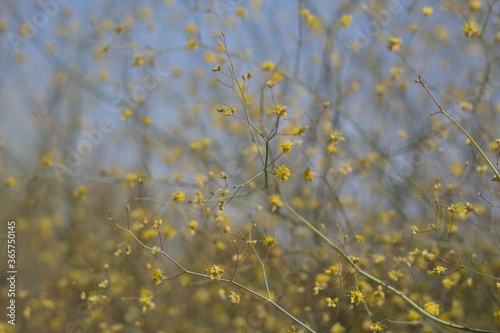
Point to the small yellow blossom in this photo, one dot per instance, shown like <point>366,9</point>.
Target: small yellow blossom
<point>312,21</point>
<point>359,238</point>
<point>270,240</point>
<point>356,296</point>
<point>345,20</point>
<point>192,226</point>
<point>332,302</point>
<point>438,270</point>
<point>317,288</point>
<point>138,60</point>
<point>474,5</point>
<point>275,202</point>
<point>377,327</point>
<point>11,181</point>
<point>413,315</point>
<point>26,30</point>
<point>234,298</point>
<point>192,44</point>
<point>47,160</point>
<point>333,270</point>
<point>157,224</point>
<point>432,308</point>
<point>103,284</point>
<point>270,83</point>
<point>146,120</point>
<point>309,175</point>
<point>178,196</point>
<point>282,172</point>
<point>227,111</point>
<point>100,52</point>
<point>395,274</point>
<point>299,130</point>
<point>127,113</point>
<point>280,110</point>
<point>200,143</point>
<point>145,299</point>
<point>427,11</point>
<point>214,272</point>
<point>394,44</point>
<point>336,136</point>
<point>241,12</point>
<point>130,179</point>
<point>471,29</point>
<point>210,57</point>
<point>267,66</point>
<point>79,193</point>
<point>286,147</point>
<point>277,76</point>
<point>191,28</point>
<point>157,276</point>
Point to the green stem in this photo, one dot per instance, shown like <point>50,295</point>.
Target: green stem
<point>378,281</point>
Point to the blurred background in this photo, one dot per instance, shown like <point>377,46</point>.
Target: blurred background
<point>111,106</point>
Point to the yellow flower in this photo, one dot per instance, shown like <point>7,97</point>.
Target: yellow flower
<point>413,315</point>
<point>427,11</point>
<point>275,202</point>
<point>79,193</point>
<point>146,120</point>
<point>157,276</point>
<point>192,226</point>
<point>395,44</point>
<point>471,29</point>
<point>130,179</point>
<point>356,296</point>
<point>214,272</point>
<point>280,110</point>
<point>127,113</point>
<point>300,130</point>
<point>331,302</point>
<point>191,28</point>
<point>377,327</point>
<point>11,181</point>
<point>359,238</point>
<point>138,61</point>
<point>46,160</point>
<point>438,270</point>
<point>309,175</point>
<point>234,298</point>
<point>395,274</point>
<point>474,5</point>
<point>282,172</point>
<point>210,57</point>
<point>270,240</point>
<point>312,21</point>
<point>432,308</point>
<point>241,12</point>
<point>345,20</point>
<point>286,147</point>
<point>267,66</point>
<point>145,299</point>
<point>192,44</point>
<point>178,196</point>
<point>336,136</point>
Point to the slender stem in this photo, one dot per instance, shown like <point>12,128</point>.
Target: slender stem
<point>372,278</point>
<point>441,110</point>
